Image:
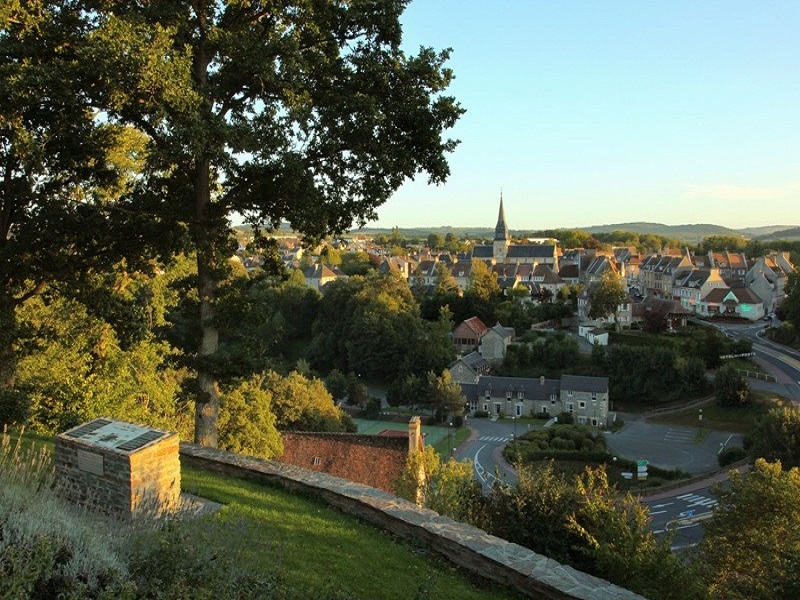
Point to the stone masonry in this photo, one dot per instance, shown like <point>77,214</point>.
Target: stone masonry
<point>119,468</point>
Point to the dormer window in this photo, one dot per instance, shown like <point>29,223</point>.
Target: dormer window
<point>521,394</point>
<point>508,395</point>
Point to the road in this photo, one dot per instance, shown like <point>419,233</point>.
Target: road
<point>779,360</point>
<point>683,512</point>
<point>485,447</point>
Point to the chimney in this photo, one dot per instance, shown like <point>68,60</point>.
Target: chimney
<point>541,380</point>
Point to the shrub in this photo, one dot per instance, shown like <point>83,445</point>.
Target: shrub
<point>731,455</point>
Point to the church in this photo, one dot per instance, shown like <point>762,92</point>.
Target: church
<point>502,252</point>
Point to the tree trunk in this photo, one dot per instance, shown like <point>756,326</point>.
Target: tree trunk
<point>8,325</point>
<point>207,402</point>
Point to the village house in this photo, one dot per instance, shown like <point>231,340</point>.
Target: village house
<point>585,398</point>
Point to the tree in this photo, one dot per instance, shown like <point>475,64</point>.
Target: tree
<point>446,487</point>
<point>444,282</point>
<point>751,544</point>
<point>301,403</point>
<point>730,388</point>
<point>248,424</point>
<point>308,112</point>
<point>607,296</point>
<point>60,166</point>
<point>435,241</point>
<point>776,437</point>
<point>443,394</point>
<point>790,307</point>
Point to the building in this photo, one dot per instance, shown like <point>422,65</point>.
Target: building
<point>585,398</point>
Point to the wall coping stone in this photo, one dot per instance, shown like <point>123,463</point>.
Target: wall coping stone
<point>493,558</point>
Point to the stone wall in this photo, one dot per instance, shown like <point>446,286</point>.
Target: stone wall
<point>487,556</point>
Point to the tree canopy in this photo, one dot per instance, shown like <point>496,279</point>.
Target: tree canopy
<point>306,112</point>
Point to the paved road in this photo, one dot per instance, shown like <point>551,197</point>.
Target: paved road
<point>670,446</point>
<point>485,447</point>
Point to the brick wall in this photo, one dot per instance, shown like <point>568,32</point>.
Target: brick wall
<point>376,461</point>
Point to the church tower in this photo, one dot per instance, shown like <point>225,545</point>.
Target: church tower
<point>502,237</point>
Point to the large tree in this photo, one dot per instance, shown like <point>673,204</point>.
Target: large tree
<point>306,111</point>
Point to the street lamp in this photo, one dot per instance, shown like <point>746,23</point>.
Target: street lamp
<point>514,419</point>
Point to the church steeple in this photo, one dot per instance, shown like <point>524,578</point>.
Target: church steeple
<point>502,237</point>
<point>501,229</point>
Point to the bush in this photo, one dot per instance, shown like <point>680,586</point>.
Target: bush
<point>481,414</point>
<point>565,418</point>
<point>731,455</point>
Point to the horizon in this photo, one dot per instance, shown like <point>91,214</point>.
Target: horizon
<point>593,112</point>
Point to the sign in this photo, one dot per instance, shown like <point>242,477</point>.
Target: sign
<point>642,462</point>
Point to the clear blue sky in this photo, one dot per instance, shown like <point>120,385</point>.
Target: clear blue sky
<point>609,111</point>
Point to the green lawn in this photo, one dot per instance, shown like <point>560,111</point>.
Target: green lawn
<point>738,420</point>
<point>322,553</point>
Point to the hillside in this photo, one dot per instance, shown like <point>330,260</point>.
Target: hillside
<point>792,234</point>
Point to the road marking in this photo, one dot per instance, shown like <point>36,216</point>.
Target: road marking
<point>662,505</point>
<point>493,439</point>
<point>657,512</point>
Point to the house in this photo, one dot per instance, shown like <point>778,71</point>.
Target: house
<point>494,343</point>
<point>586,398</point>
<point>593,334</point>
<point>657,273</point>
<point>767,277</point>
<point>467,335</point>
<point>468,368</point>
<point>690,287</point>
<point>732,302</point>
<point>317,275</point>
<point>672,311</point>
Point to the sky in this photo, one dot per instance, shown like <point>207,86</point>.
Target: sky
<point>610,111</point>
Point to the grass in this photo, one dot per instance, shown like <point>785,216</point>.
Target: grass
<point>734,419</point>
<point>315,548</point>
<point>295,545</point>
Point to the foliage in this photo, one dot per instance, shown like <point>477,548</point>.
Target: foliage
<point>751,545</point>
<point>314,116</point>
<point>443,395</point>
<point>548,354</point>
<point>730,388</point>
<point>77,371</point>
<point>372,326</point>
<point>790,307</point>
<point>607,295</point>
<point>445,487</point>
<point>337,384</point>
<point>730,455</point>
<point>247,425</point>
<point>585,522</point>
<point>641,377</point>
<point>776,437</point>
<point>300,403</point>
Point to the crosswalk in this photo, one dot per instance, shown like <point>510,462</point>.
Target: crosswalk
<point>697,500</point>
<point>495,439</point>
<point>680,435</point>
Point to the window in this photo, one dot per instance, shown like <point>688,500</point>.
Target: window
<point>317,461</point>
<point>581,404</point>
<point>508,395</point>
<point>552,398</point>
<point>519,410</point>
<point>488,393</point>
<point>569,393</point>
<point>594,395</point>
<point>521,394</point>
<point>544,410</point>
<point>570,407</point>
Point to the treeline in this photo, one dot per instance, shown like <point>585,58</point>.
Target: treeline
<point>641,369</point>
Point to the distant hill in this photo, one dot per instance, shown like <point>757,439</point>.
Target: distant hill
<point>791,235</point>
<point>689,233</point>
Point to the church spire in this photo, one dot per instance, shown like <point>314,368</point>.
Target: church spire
<point>501,230</point>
